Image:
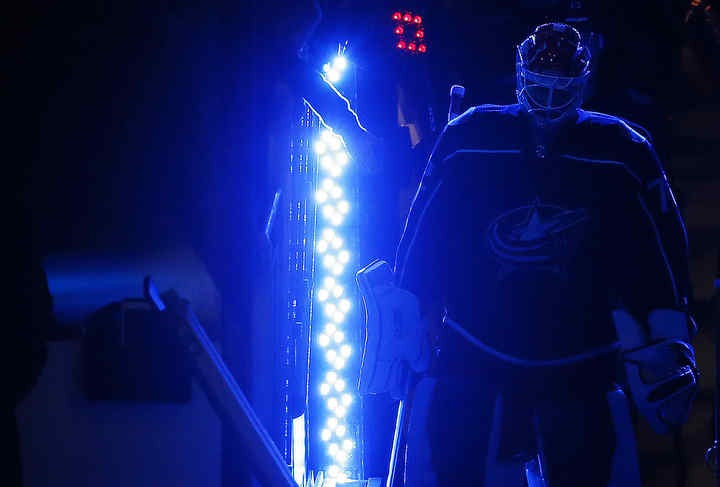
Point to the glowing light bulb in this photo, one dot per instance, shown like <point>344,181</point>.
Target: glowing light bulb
<point>323,340</point>
<point>328,234</point>
<point>329,261</point>
<point>346,398</point>
<point>336,218</point>
<point>327,162</point>
<point>340,386</point>
<point>343,207</point>
<point>341,457</point>
<point>320,147</point>
<point>335,143</point>
<point>336,242</point>
<point>330,355</point>
<point>338,317</point>
<point>336,171</point>
<point>324,389</point>
<point>334,472</point>
<point>321,196</point>
<point>330,309</point>
<point>339,363</point>
<point>340,63</point>
<point>345,305</point>
<point>325,435</point>
<point>340,411</point>
<point>344,256</point>
<point>345,350</point>
<point>342,158</point>
<point>336,192</point>
<point>341,430</point>
<point>322,246</point>
<point>338,336</point>
<point>337,270</point>
<point>330,328</point>
<point>347,444</point>
<point>322,295</point>
<point>333,75</point>
<point>332,422</point>
<point>333,449</point>
<point>328,212</point>
<point>332,404</point>
<point>338,291</point>
<point>331,377</point>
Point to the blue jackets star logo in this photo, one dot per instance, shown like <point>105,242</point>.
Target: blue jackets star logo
<point>535,234</point>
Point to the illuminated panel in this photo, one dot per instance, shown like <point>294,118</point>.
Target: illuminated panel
<point>332,294</point>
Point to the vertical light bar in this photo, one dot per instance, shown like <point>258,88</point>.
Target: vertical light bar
<point>333,296</point>
<point>298,455</point>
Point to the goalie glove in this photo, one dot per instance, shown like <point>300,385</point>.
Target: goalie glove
<point>660,366</point>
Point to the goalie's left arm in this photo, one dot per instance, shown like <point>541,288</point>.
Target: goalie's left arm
<point>655,327</point>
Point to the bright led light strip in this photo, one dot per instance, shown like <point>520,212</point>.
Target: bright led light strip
<point>333,299</point>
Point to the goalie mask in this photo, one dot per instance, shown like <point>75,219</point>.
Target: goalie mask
<point>552,68</point>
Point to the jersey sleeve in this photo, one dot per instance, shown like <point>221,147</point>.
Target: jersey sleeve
<point>660,205</point>
<point>653,274</point>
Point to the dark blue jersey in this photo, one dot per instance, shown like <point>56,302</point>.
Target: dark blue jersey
<point>529,240</point>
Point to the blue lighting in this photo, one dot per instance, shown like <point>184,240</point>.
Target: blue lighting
<point>331,283</point>
<point>334,70</point>
<point>340,63</point>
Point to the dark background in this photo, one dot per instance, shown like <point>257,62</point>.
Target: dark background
<point>137,125</point>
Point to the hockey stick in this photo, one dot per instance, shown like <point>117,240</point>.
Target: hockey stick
<point>712,456</point>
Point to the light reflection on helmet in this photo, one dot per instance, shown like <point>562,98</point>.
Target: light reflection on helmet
<point>552,68</point>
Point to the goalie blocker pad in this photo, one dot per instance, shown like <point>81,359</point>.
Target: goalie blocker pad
<point>660,366</point>
<point>395,334</point>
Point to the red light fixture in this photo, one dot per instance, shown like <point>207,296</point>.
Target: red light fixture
<point>410,31</point>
